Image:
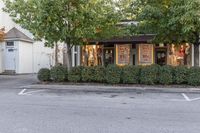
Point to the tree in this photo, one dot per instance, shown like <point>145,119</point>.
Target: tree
<point>172,21</point>
<point>72,22</point>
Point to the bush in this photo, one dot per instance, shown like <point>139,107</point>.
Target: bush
<point>112,75</point>
<point>194,76</point>
<point>149,74</point>
<point>44,74</point>
<point>88,74</point>
<point>130,74</point>
<point>74,74</point>
<point>165,75</point>
<point>99,74</point>
<point>180,74</point>
<point>59,73</point>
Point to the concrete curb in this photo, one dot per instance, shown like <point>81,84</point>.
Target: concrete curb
<point>111,89</point>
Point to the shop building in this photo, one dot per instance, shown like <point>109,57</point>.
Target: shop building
<point>135,50</point>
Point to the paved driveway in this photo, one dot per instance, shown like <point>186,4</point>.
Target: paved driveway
<point>15,81</point>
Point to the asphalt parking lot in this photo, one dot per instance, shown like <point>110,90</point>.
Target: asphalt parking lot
<point>62,111</point>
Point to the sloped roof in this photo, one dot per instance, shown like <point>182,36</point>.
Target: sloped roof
<point>15,34</point>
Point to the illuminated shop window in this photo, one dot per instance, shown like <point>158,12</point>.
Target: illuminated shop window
<point>180,55</point>
<point>92,55</point>
<point>123,54</point>
<point>146,53</point>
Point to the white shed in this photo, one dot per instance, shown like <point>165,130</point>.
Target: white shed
<point>16,53</point>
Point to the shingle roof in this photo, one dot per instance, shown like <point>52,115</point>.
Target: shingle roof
<point>15,34</point>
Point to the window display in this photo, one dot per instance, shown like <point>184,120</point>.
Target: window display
<point>123,54</point>
<point>179,55</point>
<point>92,55</point>
<point>146,54</point>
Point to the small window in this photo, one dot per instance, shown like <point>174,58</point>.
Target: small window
<point>10,50</point>
<point>10,44</point>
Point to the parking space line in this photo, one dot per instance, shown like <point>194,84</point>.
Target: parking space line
<point>23,92</point>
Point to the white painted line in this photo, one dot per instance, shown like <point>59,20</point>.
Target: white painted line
<point>186,97</point>
<point>22,92</point>
<point>28,93</point>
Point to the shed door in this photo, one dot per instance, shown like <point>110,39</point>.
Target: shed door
<point>10,56</point>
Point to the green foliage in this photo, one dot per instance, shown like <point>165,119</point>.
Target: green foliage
<point>113,73</point>
<point>88,74</point>
<point>99,74</point>
<point>165,75</point>
<point>75,74</point>
<point>130,74</point>
<point>194,76</point>
<point>149,74</point>
<point>44,74</point>
<point>180,74</point>
<point>59,73</point>
<point>69,21</point>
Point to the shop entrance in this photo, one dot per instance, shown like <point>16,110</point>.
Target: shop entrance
<point>108,55</point>
<point>161,56</point>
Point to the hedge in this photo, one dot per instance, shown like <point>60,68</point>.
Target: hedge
<point>99,74</point>
<point>44,74</point>
<point>88,74</point>
<point>194,76</point>
<point>59,74</point>
<point>180,74</point>
<point>149,74</point>
<point>165,76</point>
<point>75,74</point>
<point>130,74</point>
<point>112,75</point>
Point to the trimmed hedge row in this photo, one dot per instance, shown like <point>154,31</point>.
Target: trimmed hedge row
<point>112,74</point>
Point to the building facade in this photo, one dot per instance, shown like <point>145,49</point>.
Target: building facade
<point>136,50</point>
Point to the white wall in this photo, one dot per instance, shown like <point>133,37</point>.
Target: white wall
<point>25,59</point>
<point>42,56</point>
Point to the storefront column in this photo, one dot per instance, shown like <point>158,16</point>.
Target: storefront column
<point>192,54</point>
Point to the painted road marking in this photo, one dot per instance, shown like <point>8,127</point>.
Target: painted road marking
<point>24,92</point>
<point>189,99</point>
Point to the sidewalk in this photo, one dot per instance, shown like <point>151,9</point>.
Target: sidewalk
<point>113,89</point>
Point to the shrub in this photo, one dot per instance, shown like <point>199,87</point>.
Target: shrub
<point>194,76</point>
<point>74,74</point>
<point>58,73</point>
<point>99,74</point>
<point>180,74</point>
<point>88,74</point>
<point>149,74</point>
<point>165,75</point>
<point>130,74</point>
<point>112,75</point>
<point>44,74</point>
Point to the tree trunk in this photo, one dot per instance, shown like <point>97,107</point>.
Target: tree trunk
<point>56,54</point>
<point>67,56</point>
<point>196,54</point>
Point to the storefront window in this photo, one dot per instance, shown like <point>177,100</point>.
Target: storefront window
<point>179,55</point>
<point>123,54</point>
<point>146,54</point>
<point>92,55</point>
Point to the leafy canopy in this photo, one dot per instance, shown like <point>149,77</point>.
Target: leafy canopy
<point>170,20</point>
<point>69,21</point>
